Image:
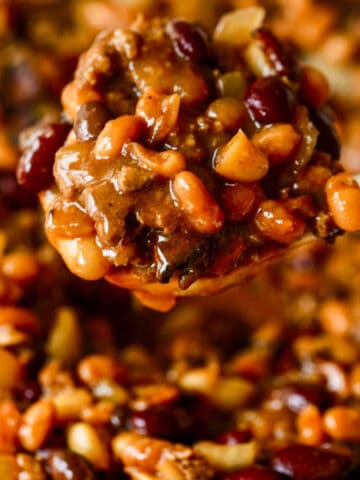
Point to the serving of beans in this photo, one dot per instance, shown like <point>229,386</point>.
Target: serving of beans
<point>159,147</point>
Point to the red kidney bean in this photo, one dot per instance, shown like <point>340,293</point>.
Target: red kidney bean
<point>14,196</point>
<point>279,56</point>
<point>188,41</point>
<point>233,437</point>
<point>90,120</point>
<point>253,473</point>
<point>65,465</point>
<point>34,171</point>
<point>269,100</point>
<point>296,397</point>
<point>328,140</point>
<point>302,462</point>
<point>157,421</point>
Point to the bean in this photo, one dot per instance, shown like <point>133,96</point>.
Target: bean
<point>65,465</point>
<point>240,161</point>
<point>309,426</point>
<point>82,256</point>
<point>96,367</point>
<point>240,200</point>
<point>342,423</point>
<point>36,424</point>
<point>90,120</point>
<point>230,112</point>
<point>314,87</point>
<point>115,134</point>
<point>335,317</point>
<point>34,171</point>
<point>199,205</point>
<point>188,40</point>
<point>84,440</point>
<point>70,403</point>
<point>166,163</point>
<point>278,142</point>
<point>275,222</point>
<point>302,462</point>
<point>21,267</point>
<point>269,100</point>
<point>343,197</point>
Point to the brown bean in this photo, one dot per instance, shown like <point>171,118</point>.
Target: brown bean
<point>36,424</point>
<point>166,163</point>
<point>239,160</point>
<point>200,207</point>
<point>342,423</point>
<point>115,134</point>
<point>335,317</point>
<point>230,112</point>
<point>96,367</point>
<point>276,222</point>
<point>82,256</point>
<point>278,142</point>
<point>343,197</point>
<point>84,440</point>
<point>22,267</point>
<point>309,426</point>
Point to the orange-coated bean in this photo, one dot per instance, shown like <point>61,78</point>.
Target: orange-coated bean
<point>276,222</point>
<point>343,197</point>
<point>335,317</point>
<point>96,367</point>
<point>239,160</point>
<point>36,424</point>
<point>115,134</point>
<point>200,207</point>
<point>278,142</point>
<point>309,426</point>
<point>21,267</point>
<point>342,423</point>
<point>166,163</point>
<point>230,112</point>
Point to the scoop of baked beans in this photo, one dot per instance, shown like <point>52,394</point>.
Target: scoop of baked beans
<point>186,160</point>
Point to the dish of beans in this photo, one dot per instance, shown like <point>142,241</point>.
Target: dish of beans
<point>259,382</point>
<point>185,158</point>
